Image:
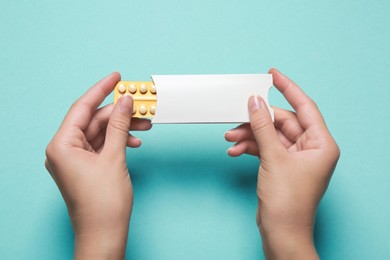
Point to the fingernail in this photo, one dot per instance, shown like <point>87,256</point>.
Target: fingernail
<point>126,104</point>
<point>255,103</point>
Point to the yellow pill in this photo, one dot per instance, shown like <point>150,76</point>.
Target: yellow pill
<point>122,88</point>
<point>152,109</point>
<point>153,89</point>
<point>143,89</point>
<point>132,88</point>
<point>142,110</point>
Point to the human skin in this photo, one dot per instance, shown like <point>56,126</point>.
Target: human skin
<point>298,156</point>
<point>87,160</point>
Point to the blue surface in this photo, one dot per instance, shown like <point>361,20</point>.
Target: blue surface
<point>191,200</point>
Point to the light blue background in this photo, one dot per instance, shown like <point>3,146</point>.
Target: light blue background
<point>191,200</point>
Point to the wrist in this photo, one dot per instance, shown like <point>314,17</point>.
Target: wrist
<point>101,231</point>
<point>286,234</point>
<point>288,242</point>
<point>99,236</point>
<point>101,244</point>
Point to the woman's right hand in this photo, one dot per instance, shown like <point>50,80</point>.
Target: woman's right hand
<point>298,156</point>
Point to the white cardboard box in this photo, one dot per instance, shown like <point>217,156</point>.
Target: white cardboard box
<point>208,98</point>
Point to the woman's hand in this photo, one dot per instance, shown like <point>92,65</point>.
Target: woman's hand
<point>298,156</point>
<point>87,160</point>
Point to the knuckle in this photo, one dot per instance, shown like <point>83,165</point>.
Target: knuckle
<point>259,124</point>
<point>119,124</point>
<point>53,150</point>
<point>101,123</point>
<point>49,150</point>
<point>333,150</point>
<point>313,103</point>
<point>76,103</point>
<point>309,104</point>
<point>337,151</point>
<point>82,105</point>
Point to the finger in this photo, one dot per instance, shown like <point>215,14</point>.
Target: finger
<point>283,139</point>
<point>82,110</point>
<point>287,122</point>
<point>244,146</point>
<point>118,127</point>
<point>307,111</point>
<point>98,142</point>
<point>140,124</point>
<point>239,133</point>
<point>133,141</point>
<point>99,121</point>
<point>263,128</point>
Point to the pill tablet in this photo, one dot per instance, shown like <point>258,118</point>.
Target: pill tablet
<point>142,110</point>
<point>132,88</point>
<point>122,88</point>
<point>143,89</point>
<point>152,89</point>
<point>152,109</point>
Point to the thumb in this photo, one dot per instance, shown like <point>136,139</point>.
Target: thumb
<point>118,127</point>
<point>263,128</point>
